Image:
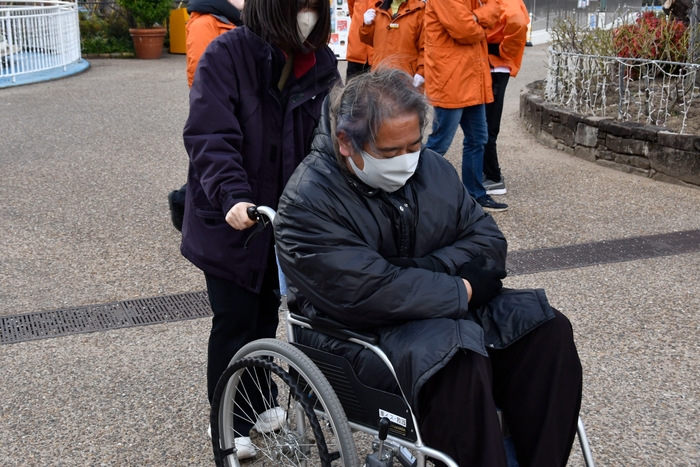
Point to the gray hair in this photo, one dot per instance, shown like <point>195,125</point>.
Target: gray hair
<point>367,101</point>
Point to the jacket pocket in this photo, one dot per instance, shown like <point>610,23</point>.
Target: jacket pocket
<point>210,215</point>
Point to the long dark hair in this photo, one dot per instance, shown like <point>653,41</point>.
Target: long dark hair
<point>275,21</point>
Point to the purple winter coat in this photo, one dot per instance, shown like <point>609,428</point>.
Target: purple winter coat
<point>244,139</point>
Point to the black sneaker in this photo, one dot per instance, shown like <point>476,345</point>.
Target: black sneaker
<point>489,205</point>
<point>495,188</point>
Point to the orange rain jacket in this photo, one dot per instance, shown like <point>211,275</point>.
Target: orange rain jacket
<point>397,42</point>
<point>201,29</point>
<point>457,72</point>
<point>511,33</point>
<point>357,51</point>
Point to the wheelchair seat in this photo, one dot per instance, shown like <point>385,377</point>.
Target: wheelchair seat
<point>339,333</point>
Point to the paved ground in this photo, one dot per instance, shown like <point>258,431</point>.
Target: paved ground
<point>87,163</point>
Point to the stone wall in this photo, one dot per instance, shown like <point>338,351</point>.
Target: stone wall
<point>646,150</point>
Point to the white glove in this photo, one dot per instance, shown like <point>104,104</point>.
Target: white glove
<point>369,16</point>
<point>418,80</point>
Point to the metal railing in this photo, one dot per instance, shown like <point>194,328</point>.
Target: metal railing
<point>37,36</point>
<point>646,91</point>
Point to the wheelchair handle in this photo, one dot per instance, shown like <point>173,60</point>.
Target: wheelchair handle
<point>256,213</point>
<point>265,215</point>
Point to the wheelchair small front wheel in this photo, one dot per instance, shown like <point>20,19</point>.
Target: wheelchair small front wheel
<point>268,374</point>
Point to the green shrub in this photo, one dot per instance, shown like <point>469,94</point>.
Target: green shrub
<point>570,36</point>
<point>108,34</point>
<point>148,13</point>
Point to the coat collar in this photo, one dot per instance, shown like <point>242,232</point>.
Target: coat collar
<point>303,63</point>
<point>411,5</point>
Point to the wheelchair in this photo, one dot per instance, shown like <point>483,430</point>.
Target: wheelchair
<point>328,411</point>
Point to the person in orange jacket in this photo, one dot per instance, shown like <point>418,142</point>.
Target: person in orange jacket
<point>208,20</point>
<point>358,54</point>
<point>458,83</point>
<point>394,30</point>
<point>506,44</point>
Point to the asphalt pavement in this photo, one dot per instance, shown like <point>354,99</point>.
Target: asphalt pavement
<point>86,165</point>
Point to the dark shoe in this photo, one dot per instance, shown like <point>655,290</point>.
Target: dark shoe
<point>490,205</point>
<point>177,207</point>
<point>495,188</point>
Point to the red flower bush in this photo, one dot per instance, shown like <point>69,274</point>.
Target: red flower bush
<point>652,38</point>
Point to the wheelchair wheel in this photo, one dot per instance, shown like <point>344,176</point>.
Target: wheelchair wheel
<point>315,431</point>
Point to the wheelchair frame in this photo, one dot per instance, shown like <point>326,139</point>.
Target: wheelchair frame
<point>403,425</point>
<point>335,381</point>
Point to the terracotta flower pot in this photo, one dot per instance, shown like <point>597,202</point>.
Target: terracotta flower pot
<point>148,43</point>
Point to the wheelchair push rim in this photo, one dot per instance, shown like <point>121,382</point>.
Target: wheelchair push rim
<point>315,431</point>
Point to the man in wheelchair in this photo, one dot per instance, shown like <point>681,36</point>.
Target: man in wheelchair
<point>374,232</point>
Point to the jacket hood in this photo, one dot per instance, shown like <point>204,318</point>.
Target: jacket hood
<point>216,7</point>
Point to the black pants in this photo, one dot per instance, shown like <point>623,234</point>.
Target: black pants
<point>355,69</point>
<point>537,384</point>
<point>241,316</point>
<point>494,111</point>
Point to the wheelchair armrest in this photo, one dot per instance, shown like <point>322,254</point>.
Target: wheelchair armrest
<point>338,333</point>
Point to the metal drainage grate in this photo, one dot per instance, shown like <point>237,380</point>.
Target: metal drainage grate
<point>45,324</point>
<point>611,251</point>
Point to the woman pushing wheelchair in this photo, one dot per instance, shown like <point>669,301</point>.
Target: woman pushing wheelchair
<point>375,232</point>
<point>254,104</point>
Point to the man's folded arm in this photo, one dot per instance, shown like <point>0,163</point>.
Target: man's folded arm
<point>480,236</point>
<point>342,276</point>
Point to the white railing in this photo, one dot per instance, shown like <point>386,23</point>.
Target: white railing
<point>37,36</point>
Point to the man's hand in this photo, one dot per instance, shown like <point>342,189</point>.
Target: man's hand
<point>238,218</point>
<point>369,16</point>
<point>470,292</point>
<point>485,283</point>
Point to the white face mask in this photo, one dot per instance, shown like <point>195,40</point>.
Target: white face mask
<point>387,174</point>
<point>306,21</point>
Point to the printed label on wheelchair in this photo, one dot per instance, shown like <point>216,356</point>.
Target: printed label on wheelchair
<point>392,418</point>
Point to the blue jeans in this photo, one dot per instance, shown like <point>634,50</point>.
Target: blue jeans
<point>473,122</point>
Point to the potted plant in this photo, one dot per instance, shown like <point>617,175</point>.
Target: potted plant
<point>149,15</point>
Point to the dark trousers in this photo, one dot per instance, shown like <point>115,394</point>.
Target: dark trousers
<point>355,69</point>
<point>537,384</point>
<point>494,111</point>
<point>241,316</point>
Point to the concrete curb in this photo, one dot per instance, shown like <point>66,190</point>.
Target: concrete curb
<point>645,150</point>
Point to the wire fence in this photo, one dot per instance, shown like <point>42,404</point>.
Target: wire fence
<point>37,36</point>
<point>646,91</point>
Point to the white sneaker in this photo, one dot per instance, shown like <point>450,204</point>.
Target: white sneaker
<point>270,420</point>
<point>495,188</point>
<point>244,448</point>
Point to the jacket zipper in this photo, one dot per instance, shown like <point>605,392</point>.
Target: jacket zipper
<point>403,230</point>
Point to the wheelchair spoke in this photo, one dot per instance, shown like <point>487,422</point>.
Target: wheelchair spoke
<point>305,438</point>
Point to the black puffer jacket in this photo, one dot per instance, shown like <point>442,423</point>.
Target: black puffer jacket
<point>333,234</point>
